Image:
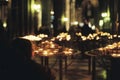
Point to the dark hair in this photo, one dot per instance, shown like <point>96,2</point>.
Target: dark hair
<point>23,47</point>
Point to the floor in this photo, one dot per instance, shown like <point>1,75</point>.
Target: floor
<point>77,69</point>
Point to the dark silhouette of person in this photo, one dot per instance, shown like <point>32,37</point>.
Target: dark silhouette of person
<point>22,66</point>
<point>86,30</point>
<point>118,23</point>
<point>4,52</point>
<point>88,9</point>
<point>44,30</point>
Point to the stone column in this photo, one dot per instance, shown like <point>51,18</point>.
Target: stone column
<point>67,15</point>
<point>58,7</point>
<point>46,7</point>
<point>113,14</point>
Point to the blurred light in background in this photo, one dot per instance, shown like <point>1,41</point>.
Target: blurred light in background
<point>100,23</point>
<point>74,23</point>
<point>4,24</point>
<point>36,7</point>
<point>104,14</point>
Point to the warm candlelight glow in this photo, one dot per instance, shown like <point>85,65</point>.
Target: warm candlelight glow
<point>32,38</point>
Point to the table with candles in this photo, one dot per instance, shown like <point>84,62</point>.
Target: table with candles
<point>112,52</point>
<point>48,48</point>
<point>108,57</point>
<point>60,47</point>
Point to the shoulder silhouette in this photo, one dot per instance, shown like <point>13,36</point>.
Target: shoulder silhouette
<point>23,66</point>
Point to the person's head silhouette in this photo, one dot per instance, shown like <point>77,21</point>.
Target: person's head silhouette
<point>22,48</point>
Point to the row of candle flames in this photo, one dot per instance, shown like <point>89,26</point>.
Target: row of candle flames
<point>112,49</point>
<point>48,47</point>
